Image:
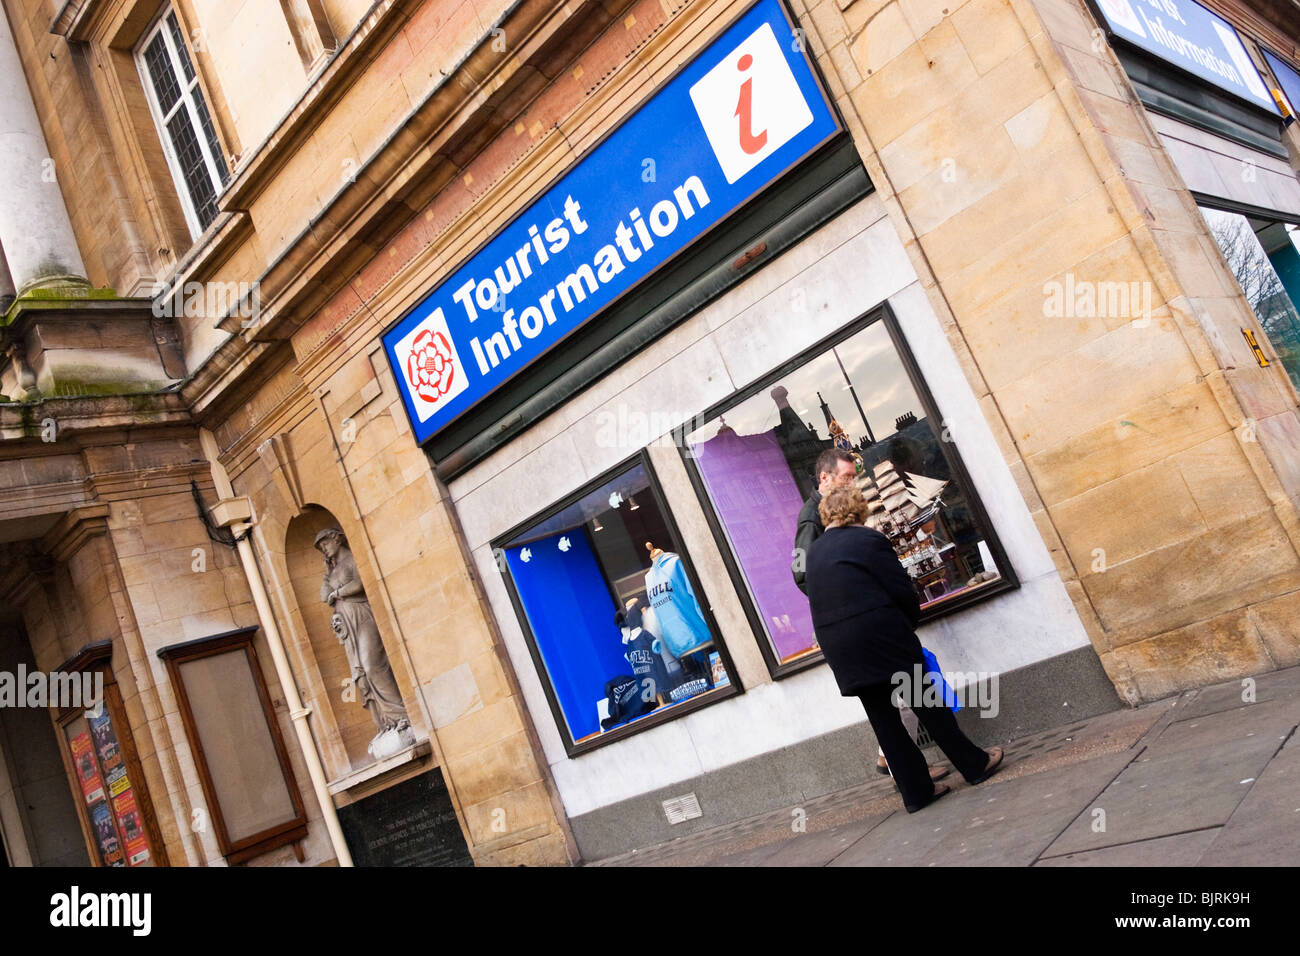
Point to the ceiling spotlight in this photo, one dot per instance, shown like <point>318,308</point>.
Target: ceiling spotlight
<point>597,526</point>
<point>631,504</point>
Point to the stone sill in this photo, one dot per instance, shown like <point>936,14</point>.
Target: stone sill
<point>412,753</point>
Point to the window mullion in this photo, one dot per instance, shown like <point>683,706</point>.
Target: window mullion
<point>201,136</point>
<point>187,88</point>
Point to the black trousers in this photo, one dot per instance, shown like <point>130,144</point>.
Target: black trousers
<point>906,762</point>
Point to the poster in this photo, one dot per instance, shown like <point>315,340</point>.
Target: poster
<point>92,785</point>
<point>132,827</point>
<point>101,822</point>
<point>117,782</point>
<point>110,755</point>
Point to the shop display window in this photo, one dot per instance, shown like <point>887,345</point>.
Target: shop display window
<point>752,462</point>
<point>619,628</point>
<point>1264,255</point>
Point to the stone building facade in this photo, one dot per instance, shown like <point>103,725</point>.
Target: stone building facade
<point>217,224</point>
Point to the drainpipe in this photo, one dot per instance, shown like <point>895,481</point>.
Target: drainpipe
<point>297,712</point>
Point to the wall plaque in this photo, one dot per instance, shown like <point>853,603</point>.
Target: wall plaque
<point>411,824</point>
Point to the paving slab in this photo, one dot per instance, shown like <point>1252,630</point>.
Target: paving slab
<point>1276,686</point>
<point>1181,849</point>
<point>1229,728</point>
<point>752,857</point>
<point>818,849</point>
<point>1157,795</point>
<point>1004,821</point>
<point>1264,830</point>
<point>1015,823</point>
<point>1285,682</point>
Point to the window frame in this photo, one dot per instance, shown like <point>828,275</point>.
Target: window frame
<point>293,830</point>
<point>665,714</point>
<point>215,166</point>
<point>880,313</point>
<point>1248,212</point>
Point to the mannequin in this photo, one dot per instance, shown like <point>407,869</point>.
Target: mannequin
<point>681,621</point>
<point>669,591</point>
<point>642,650</point>
<point>627,698</point>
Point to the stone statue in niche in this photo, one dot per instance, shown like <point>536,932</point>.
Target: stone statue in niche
<point>354,625</point>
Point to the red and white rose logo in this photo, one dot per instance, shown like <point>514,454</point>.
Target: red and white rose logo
<point>431,366</point>
<point>428,361</point>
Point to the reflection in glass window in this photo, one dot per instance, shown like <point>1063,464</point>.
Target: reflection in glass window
<point>756,461</point>
<point>614,615</point>
<point>1265,257</point>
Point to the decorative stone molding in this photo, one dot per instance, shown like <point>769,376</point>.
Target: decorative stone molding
<point>278,459</point>
<point>418,751</point>
<point>74,529</point>
<point>94,345</point>
<point>311,32</point>
<point>20,373</point>
<point>73,19</point>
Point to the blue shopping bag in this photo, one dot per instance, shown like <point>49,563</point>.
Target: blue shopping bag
<point>932,670</point>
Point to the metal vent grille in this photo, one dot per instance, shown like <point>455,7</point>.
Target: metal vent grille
<point>680,809</point>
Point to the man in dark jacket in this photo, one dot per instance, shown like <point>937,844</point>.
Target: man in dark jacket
<point>834,469</point>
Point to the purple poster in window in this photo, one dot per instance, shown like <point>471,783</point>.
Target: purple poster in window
<point>756,497</point>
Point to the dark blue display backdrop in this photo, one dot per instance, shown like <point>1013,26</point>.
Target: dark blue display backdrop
<point>735,119</point>
<point>1184,33</point>
<point>571,614</point>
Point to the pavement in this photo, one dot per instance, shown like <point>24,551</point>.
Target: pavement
<point>1207,778</point>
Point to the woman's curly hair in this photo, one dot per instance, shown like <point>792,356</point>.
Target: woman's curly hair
<point>843,506</point>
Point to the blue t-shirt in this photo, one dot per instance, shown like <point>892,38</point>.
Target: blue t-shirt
<point>677,612</point>
<point>642,652</point>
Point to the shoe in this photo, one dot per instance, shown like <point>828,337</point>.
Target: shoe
<point>939,791</point>
<point>936,773</point>
<point>994,765</point>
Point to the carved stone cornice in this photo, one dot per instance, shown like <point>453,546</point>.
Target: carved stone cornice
<point>74,19</point>
<point>396,182</point>
<point>82,414</point>
<point>74,529</point>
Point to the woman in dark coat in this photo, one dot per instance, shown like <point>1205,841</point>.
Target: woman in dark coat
<point>864,609</point>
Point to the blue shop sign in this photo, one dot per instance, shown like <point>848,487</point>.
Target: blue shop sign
<point>1287,78</point>
<point>729,124</point>
<point>1189,36</point>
